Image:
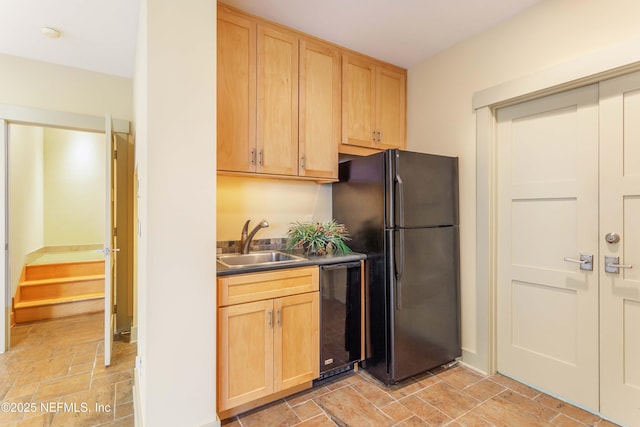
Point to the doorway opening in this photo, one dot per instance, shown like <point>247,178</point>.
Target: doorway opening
<point>56,180</point>
<point>56,222</point>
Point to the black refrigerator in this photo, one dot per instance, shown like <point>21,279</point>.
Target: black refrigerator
<point>401,209</point>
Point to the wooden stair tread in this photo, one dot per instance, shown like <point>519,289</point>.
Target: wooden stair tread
<point>62,280</point>
<point>59,300</point>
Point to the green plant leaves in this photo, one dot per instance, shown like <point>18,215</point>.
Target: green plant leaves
<point>318,238</point>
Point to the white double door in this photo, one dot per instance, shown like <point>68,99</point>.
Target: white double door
<point>569,192</point>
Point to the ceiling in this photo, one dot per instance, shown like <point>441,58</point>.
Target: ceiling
<point>100,35</point>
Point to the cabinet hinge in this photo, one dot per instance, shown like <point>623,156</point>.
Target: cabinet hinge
<point>115,231</point>
<point>115,309</point>
<point>115,154</point>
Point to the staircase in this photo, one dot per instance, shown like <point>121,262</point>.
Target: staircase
<point>50,291</point>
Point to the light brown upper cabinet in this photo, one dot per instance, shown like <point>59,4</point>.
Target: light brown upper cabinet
<point>373,103</point>
<point>289,102</point>
<point>257,97</point>
<point>236,97</point>
<point>319,132</point>
<point>277,102</point>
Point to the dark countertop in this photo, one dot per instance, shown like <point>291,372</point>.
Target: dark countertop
<point>222,270</point>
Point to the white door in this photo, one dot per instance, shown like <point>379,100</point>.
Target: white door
<point>547,306</point>
<point>620,214</point>
<point>110,248</point>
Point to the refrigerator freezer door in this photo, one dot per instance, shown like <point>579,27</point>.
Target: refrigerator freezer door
<point>424,305</point>
<point>425,189</point>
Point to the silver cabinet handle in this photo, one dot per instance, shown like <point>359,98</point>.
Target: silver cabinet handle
<point>379,136</point>
<point>612,264</point>
<point>585,261</point>
<point>270,319</point>
<point>374,136</point>
<point>260,158</point>
<point>252,158</point>
<point>302,162</point>
<point>279,318</point>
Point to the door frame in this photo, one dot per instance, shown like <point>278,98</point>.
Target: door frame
<point>10,114</point>
<point>594,67</point>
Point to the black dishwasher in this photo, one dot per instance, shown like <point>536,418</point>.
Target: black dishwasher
<point>340,317</point>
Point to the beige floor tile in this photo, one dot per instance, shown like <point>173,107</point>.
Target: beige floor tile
<point>504,413</point>
<point>317,421</point>
<point>484,389</point>
<point>372,393</point>
<point>514,385</point>
<point>568,409</point>
<point>307,410</point>
<point>460,377</point>
<point>41,420</point>
<point>448,399</point>
<point>304,396</point>
<point>425,411</point>
<point>124,422</point>
<point>563,421</point>
<point>48,390</point>
<point>526,405</point>
<point>405,388</point>
<point>348,407</point>
<point>413,422</point>
<point>52,362</point>
<point>397,412</point>
<point>471,419</point>
<point>278,414</point>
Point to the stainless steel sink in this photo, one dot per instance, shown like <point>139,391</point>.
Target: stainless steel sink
<point>257,258</point>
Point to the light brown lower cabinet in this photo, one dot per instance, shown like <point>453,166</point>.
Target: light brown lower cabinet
<point>268,348</point>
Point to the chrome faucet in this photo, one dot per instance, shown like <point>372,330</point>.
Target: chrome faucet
<point>246,239</point>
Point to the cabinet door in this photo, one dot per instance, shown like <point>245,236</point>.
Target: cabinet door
<point>245,353</point>
<point>390,107</point>
<point>277,103</point>
<point>236,97</point>
<point>358,102</point>
<point>296,340</point>
<point>319,113</point>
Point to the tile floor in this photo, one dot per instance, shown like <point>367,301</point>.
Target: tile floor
<point>455,397</point>
<point>54,375</point>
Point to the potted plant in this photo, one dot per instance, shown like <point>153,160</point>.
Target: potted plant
<point>318,238</point>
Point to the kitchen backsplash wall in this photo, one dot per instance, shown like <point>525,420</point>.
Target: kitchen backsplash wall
<point>280,202</point>
<point>233,246</point>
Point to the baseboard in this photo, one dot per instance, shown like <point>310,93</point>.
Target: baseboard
<point>137,401</point>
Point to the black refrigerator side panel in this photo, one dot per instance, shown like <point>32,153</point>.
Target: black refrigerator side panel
<point>426,189</point>
<point>359,203</point>
<point>425,319</point>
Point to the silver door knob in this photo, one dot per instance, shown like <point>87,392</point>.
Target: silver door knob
<point>612,237</point>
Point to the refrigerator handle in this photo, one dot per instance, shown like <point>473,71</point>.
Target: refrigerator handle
<point>399,270</point>
<point>400,200</point>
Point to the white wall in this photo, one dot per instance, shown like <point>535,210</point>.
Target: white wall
<point>26,196</point>
<point>35,84</point>
<point>74,187</point>
<point>280,202</point>
<point>175,92</point>
<point>441,118</point>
